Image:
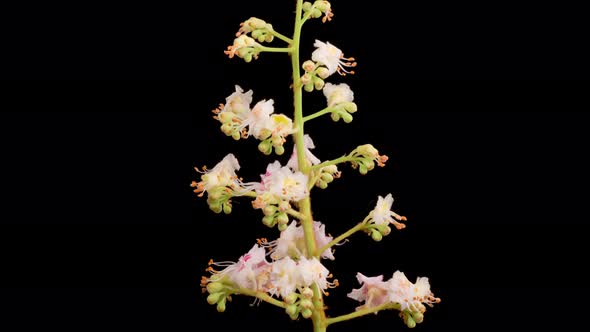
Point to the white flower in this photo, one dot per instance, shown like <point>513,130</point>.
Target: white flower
<point>382,213</point>
<point>286,184</point>
<point>410,296</point>
<point>286,244</point>
<point>310,158</point>
<point>292,242</point>
<point>374,291</point>
<point>330,56</point>
<point>313,272</point>
<point>238,103</point>
<point>338,94</point>
<point>284,277</point>
<point>258,118</point>
<point>321,239</point>
<point>280,125</point>
<point>250,272</point>
<point>222,175</point>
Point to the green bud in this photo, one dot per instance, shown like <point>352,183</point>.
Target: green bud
<point>221,305</point>
<point>276,141</point>
<point>308,66</point>
<point>306,79</point>
<point>265,147</point>
<point>236,135</point>
<point>279,150</point>
<point>214,297</point>
<point>327,177</point>
<point>295,316</point>
<point>216,207</point>
<point>350,107</point>
<point>376,235</point>
<point>226,117</point>
<point>269,221</point>
<point>282,227</point>
<point>292,298</point>
<point>308,87</point>
<point>215,287</point>
<point>307,293</point>
<point>418,317</point>
<point>323,72</point>
<point>306,6</point>
<point>318,83</point>
<point>257,33</point>
<point>306,303</point>
<point>386,230</point>
<point>321,184</point>
<point>291,310</point>
<point>282,218</point>
<point>269,38</point>
<point>248,59</point>
<point>322,5</point>
<point>242,52</point>
<point>269,210</point>
<point>370,165</point>
<point>227,208</point>
<point>226,129</point>
<point>265,133</point>
<point>335,116</point>
<point>363,169</point>
<point>306,313</point>
<point>316,13</point>
<point>346,117</point>
<point>410,322</point>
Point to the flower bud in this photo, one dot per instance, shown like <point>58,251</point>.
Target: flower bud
<point>226,129</point>
<point>409,321</point>
<point>226,117</point>
<point>350,107</point>
<point>306,313</point>
<point>418,317</point>
<point>346,117</point>
<point>321,184</point>
<point>316,13</point>
<point>282,227</point>
<point>322,5</point>
<point>308,87</point>
<point>306,79</point>
<point>291,310</point>
<point>335,116</point>
<point>269,221</point>
<point>318,83</point>
<point>307,6</point>
<point>307,293</point>
<point>214,298</point>
<point>282,218</point>
<point>216,207</point>
<point>248,59</point>
<point>323,72</point>
<point>221,305</point>
<point>292,298</point>
<point>327,177</point>
<point>363,169</point>
<point>279,150</point>
<point>276,141</point>
<point>269,210</point>
<point>306,303</point>
<point>215,287</point>
<point>226,208</point>
<point>376,235</point>
<point>265,147</point>
<point>236,135</point>
<point>308,66</point>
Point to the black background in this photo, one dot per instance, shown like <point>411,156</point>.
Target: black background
<point>100,230</point>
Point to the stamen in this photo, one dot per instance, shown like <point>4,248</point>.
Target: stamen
<point>381,160</point>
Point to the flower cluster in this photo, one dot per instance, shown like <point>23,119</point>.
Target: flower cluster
<point>410,297</point>
<point>288,278</point>
<point>238,120</point>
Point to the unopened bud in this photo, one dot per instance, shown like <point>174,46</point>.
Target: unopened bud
<point>282,218</point>
<point>308,87</point>
<point>321,184</point>
<point>269,210</point>
<point>306,313</point>
<point>376,235</point>
<point>308,66</point>
<point>350,107</point>
<point>335,116</point>
<point>410,322</point>
<point>236,135</point>
<point>327,177</point>
<point>226,129</point>
<point>306,303</point>
<point>216,207</point>
<point>363,169</point>
<point>214,298</point>
<point>318,83</point>
<point>215,287</point>
<point>221,305</point>
<point>269,221</point>
<point>279,150</point>
<point>265,147</point>
<point>226,208</point>
<point>292,298</point>
<point>418,317</point>
<point>306,79</point>
<point>307,293</point>
<point>282,227</point>
<point>323,72</point>
<point>226,117</point>
<point>291,310</point>
<point>346,117</point>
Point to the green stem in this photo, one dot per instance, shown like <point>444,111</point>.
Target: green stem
<point>296,214</point>
<point>342,237</point>
<point>281,37</point>
<point>318,316</point>
<point>318,114</point>
<point>260,295</point>
<point>363,312</point>
<point>275,49</point>
<point>340,160</point>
